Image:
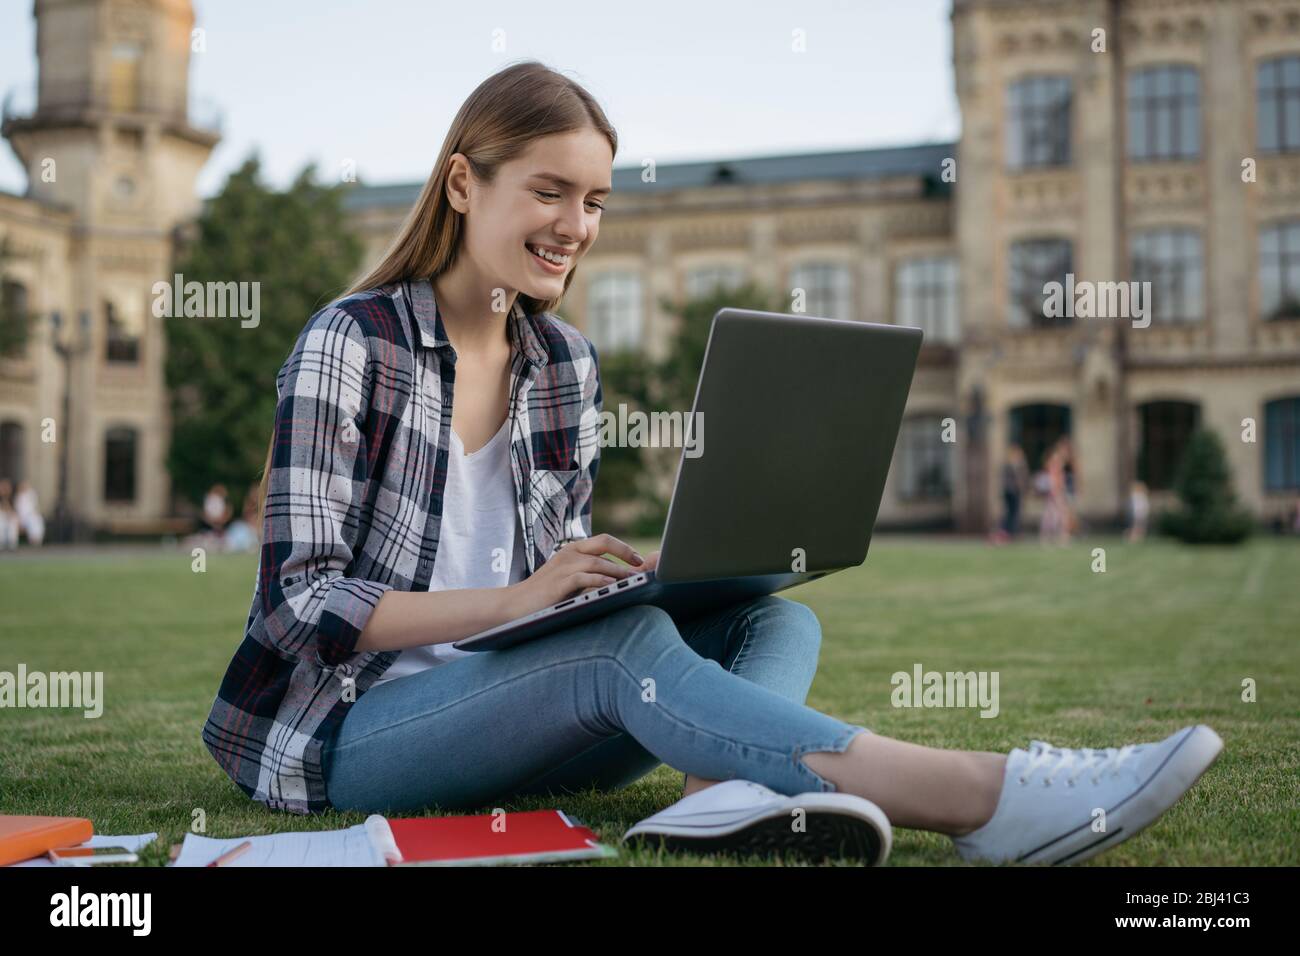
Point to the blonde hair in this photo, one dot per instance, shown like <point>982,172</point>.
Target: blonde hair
<point>504,115</point>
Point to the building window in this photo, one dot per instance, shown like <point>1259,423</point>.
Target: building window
<point>1038,122</point>
<point>15,319</point>
<point>1036,428</point>
<point>1164,113</point>
<point>1277,105</point>
<point>122,343</point>
<point>1279,271</point>
<point>11,452</point>
<point>1282,445</point>
<point>614,311</point>
<point>925,296</point>
<point>707,280</point>
<point>124,78</point>
<point>1172,261</point>
<point>1165,430</point>
<point>119,464</point>
<point>826,289</point>
<point>1033,264</point>
<point>925,459</point>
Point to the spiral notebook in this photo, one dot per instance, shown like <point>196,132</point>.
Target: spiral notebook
<point>535,836</point>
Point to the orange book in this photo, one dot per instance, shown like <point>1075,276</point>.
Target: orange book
<point>22,838</point>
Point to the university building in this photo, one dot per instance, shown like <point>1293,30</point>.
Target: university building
<point>112,149</point>
<point>1130,141</point>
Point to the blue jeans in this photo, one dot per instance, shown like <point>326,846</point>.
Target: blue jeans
<point>597,705</point>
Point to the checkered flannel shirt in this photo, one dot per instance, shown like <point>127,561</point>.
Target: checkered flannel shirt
<point>354,507</point>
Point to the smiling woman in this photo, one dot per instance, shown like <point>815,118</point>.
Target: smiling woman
<point>430,476</point>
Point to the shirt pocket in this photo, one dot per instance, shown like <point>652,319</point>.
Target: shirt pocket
<point>550,490</point>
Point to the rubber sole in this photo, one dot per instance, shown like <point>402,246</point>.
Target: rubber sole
<point>826,835</point>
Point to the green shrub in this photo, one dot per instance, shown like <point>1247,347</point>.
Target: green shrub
<point>1209,513</point>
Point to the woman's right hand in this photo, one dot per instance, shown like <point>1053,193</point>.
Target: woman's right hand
<point>578,566</point>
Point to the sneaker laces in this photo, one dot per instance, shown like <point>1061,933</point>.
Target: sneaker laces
<point>1054,760</point>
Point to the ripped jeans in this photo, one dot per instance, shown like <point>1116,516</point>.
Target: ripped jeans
<point>599,705</point>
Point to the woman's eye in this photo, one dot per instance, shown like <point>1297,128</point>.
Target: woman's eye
<point>546,195</point>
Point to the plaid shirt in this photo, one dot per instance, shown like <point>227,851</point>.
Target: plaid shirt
<point>354,507</point>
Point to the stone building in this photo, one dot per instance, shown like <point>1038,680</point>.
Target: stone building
<point>112,151</point>
<point>1129,141</point>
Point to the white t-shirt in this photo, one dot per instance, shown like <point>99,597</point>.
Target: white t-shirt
<point>479,515</point>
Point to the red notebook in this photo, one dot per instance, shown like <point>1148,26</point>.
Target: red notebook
<point>535,836</point>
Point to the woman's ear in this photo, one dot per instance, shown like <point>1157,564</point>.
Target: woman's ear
<point>457,188</point>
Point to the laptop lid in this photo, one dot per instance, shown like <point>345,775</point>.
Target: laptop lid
<point>799,418</point>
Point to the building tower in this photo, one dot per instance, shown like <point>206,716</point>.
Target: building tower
<point>110,145</point>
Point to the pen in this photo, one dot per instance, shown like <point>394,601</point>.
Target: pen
<point>231,854</point>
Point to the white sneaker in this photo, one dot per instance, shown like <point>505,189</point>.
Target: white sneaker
<point>1048,810</point>
<point>740,816</point>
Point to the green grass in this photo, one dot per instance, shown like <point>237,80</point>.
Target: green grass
<point>1163,639</point>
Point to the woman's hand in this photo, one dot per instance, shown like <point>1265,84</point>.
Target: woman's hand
<point>651,562</point>
<point>578,566</point>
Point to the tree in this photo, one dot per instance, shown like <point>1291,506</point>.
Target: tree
<point>1209,513</point>
<point>664,385</point>
<point>221,371</point>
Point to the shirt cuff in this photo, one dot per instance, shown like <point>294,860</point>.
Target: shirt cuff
<point>348,607</point>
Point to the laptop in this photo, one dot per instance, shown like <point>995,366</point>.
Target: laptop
<point>800,416</point>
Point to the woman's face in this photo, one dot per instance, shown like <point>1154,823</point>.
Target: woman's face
<point>551,197</point>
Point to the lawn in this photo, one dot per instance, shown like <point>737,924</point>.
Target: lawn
<point>1163,638</point>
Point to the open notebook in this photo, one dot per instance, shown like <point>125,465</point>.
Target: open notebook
<point>535,836</point>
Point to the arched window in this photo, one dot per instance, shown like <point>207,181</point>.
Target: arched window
<point>119,464</point>
<point>1164,428</point>
<point>1282,444</point>
<point>1036,428</point>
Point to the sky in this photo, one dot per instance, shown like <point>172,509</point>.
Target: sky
<point>377,82</point>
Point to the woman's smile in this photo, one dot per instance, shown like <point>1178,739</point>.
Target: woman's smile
<point>557,265</point>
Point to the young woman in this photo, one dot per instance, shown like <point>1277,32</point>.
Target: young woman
<point>430,476</point>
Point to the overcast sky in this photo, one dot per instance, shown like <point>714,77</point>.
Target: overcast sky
<point>378,81</point>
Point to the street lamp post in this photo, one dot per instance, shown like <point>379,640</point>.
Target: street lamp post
<point>976,516</point>
<point>67,525</point>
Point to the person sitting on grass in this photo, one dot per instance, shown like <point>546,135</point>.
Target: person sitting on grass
<point>430,476</point>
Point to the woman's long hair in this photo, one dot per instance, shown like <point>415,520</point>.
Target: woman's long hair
<point>497,123</point>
